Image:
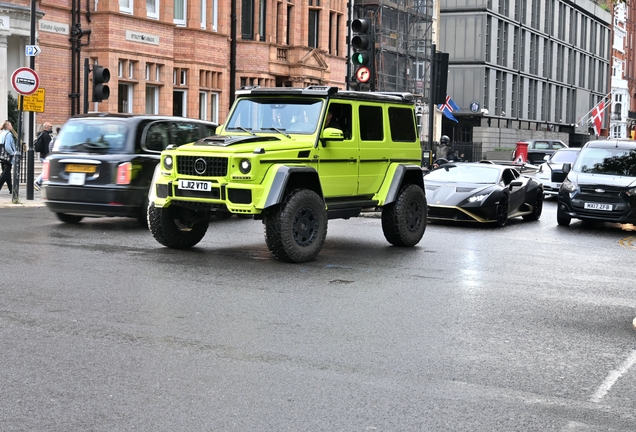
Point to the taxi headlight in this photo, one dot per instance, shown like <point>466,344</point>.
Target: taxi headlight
<point>631,192</point>
<point>245,166</point>
<point>167,162</point>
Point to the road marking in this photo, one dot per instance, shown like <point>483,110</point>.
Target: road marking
<point>613,377</point>
<point>628,242</point>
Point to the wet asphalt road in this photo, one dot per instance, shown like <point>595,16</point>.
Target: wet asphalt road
<point>525,328</point>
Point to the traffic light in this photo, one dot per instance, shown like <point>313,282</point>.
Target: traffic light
<point>362,42</point>
<point>101,76</point>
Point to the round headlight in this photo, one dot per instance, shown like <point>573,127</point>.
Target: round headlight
<point>245,166</point>
<point>167,162</point>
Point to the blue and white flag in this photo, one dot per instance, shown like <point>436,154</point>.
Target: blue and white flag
<point>448,108</point>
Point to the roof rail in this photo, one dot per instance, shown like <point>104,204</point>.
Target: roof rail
<point>404,95</point>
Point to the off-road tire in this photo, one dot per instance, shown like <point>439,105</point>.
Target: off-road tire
<point>501,211</point>
<point>404,221</point>
<point>295,230</point>
<point>537,208</point>
<point>177,227</point>
<point>563,219</point>
<point>69,219</point>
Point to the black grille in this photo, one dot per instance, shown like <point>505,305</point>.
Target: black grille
<point>214,166</point>
<point>448,213</point>
<point>611,194</point>
<point>239,196</point>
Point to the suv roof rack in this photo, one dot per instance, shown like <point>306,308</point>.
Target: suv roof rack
<point>311,90</point>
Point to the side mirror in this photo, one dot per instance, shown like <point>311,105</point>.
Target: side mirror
<point>559,175</point>
<point>546,157</point>
<point>331,134</point>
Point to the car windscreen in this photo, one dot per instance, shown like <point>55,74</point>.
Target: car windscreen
<point>561,157</point>
<point>92,136</point>
<point>608,161</point>
<point>464,174</point>
<point>293,115</point>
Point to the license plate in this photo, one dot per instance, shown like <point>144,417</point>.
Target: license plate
<point>195,185</point>
<point>77,168</point>
<point>77,179</point>
<point>597,206</point>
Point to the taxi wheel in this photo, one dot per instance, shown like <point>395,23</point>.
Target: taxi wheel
<point>404,221</point>
<point>563,219</point>
<point>69,219</point>
<point>177,227</point>
<point>296,230</point>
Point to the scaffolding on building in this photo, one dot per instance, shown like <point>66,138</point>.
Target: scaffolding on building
<point>403,41</point>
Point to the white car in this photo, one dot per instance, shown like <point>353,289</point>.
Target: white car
<point>555,163</point>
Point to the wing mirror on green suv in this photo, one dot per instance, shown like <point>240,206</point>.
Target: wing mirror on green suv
<point>331,134</point>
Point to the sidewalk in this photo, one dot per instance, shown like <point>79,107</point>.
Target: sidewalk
<point>6,202</point>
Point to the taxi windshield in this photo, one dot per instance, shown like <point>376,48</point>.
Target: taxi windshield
<point>87,136</point>
<point>290,115</point>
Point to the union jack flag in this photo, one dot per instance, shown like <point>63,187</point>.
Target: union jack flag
<point>448,107</point>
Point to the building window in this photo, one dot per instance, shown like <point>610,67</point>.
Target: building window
<point>125,98</point>
<point>152,9</point>
<point>215,14</point>
<point>314,16</point>
<point>147,71</point>
<point>158,73</point>
<point>247,20</point>
<point>131,70</point>
<point>126,6</point>
<point>290,14</point>
<point>180,12</point>
<point>120,68</point>
<point>203,105</point>
<point>152,99</point>
<point>214,107</point>
<point>262,19</point>
<point>180,77</point>
<point>179,105</point>
<point>202,13</point>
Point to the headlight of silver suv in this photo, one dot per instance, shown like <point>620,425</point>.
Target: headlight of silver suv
<point>569,186</point>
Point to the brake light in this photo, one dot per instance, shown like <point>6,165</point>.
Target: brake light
<point>45,170</point>
<point>124,173</point>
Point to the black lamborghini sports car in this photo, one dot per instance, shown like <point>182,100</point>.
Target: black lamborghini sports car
<point>482,192</point>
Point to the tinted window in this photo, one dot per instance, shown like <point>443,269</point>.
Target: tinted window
<point>157,137</point>
<point>542,145</point>
<point>88,135</point>
<point>610,161</point>
<point>402,123</point>
<point>371,126</point>
<point>557,145</point>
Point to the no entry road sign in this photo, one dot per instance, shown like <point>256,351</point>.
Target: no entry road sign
<point>25,81</point>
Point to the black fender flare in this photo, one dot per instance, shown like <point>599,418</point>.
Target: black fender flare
<point>285,176</point>
<point>411,174</point>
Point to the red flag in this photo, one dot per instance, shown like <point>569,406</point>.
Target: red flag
<point>597,117</point>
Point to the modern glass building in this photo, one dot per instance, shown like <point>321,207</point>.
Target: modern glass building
<point>525,68</point>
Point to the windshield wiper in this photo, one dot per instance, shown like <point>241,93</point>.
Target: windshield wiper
<point>90,146</point>
<point>280,131</point>
<point>246,130</point>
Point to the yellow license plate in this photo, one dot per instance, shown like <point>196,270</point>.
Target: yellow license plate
<point>76,168</point>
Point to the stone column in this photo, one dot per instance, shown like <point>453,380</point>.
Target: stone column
<point>5,85</point>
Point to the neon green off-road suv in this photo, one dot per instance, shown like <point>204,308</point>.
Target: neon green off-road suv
<point>294,158</point>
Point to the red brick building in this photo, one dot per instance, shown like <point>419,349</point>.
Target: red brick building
<point>173,57</point>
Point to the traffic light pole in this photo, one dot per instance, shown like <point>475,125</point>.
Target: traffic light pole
<point>86,72</point>
<point>30,151</point>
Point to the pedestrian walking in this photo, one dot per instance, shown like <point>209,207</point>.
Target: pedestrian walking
<point>7,152</point>
<point>41,145</point>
